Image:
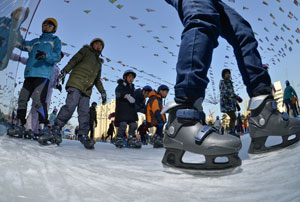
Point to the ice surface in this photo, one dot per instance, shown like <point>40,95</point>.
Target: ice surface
<point>30,172</point>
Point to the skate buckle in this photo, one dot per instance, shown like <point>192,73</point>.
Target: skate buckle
<point>190,114</point>
<point>202,134</point>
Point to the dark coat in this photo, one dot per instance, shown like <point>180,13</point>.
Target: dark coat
<point>140,101</point>
<point>93,115</point>
<point>125,111</point>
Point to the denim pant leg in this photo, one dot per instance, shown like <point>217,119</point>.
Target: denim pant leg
<point>239,34</point>
<point>66,111</point>
<point>83,110</point>
<point>132,129</point>
<point>201,29</point>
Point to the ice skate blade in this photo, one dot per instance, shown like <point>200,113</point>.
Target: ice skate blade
<point>204,173</point>
<point>173,158</point>
<point>257,145</point>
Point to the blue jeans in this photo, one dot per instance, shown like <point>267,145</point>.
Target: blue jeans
<point>204,21</point>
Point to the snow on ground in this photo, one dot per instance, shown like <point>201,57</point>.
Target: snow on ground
<point>30,172</point>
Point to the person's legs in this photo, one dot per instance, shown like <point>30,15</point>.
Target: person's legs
<point>292,106</point>
<point>201,29</point>
<point>83,115</point>
<point>24,96</point>
<point>67,110</point>
<point>132,129</point>
<point>232,116</point>
<point>239,34</point>
<point>286,102</point>
<point>121,130</point>
<point>92,131</point>
<point>39,99</point>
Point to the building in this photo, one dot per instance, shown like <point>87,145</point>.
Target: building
<point>278,96</point>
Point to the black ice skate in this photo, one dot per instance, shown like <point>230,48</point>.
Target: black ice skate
<point>16,130</point>
<point>266,120</point>
<point>157,141</point>
<point>48,136</point>
<point>186,131</point>
<point>87,142</point>
<point>132,142</point>
<point>119,142</point>
<point>29,134</point>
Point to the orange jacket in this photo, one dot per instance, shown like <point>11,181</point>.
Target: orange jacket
<point>154,107</point>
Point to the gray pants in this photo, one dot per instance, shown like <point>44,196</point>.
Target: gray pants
<point>123,126</point>
<point>75,98</point>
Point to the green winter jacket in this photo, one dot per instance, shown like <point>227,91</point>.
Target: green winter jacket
<point>289,92</point>
<point>85,67</point>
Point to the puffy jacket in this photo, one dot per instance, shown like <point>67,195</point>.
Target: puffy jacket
<point>43,68</point>
<point>85,67</point>
<point>227,97</point>
<point>10,36</point>
<point>289,92</point>
<point>140,101</point>
<point>154,107</point>
<point>125,111</point>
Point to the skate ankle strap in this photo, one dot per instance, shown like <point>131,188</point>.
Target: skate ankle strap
<point>190,114</point>
<point>203,133</point>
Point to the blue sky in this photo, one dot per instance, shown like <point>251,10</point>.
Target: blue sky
<point>77,28</point>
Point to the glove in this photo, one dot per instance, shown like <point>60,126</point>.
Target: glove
<point>40,55</point>
<point>61,77</point>
<point>129,98</point>
<point>239,99</point>
<point>103,96</point>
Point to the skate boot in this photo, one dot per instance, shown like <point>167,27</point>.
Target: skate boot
<point>87,142</point>
<point>266,120</point>
<point>186,130</point>
<point>48,136</point>
<point>17,130</point>
<point>119,142</point>
<point>157,141</point>
<point>132,142</point>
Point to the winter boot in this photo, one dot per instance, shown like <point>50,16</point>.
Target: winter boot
<point>186,130</point>
<point>157,141</point>
<point>17,130</point>
<point>87,142</point>
<point>266,120</point>
<point>29,134</point>
<point>132,142</point>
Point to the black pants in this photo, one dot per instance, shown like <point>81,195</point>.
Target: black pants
<point>92,130</point>
<point>38,87</point>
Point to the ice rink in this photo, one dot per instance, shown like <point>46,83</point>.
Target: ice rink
<point>69,172</point>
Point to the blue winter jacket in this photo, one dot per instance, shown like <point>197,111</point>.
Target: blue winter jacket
<point>9,36</point>
<point>43,68</point>
<point>140,101</point>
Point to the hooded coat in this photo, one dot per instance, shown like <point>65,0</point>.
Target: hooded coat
<point>125,111</point>
<point>85,67</point>
<point>154,108</point>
